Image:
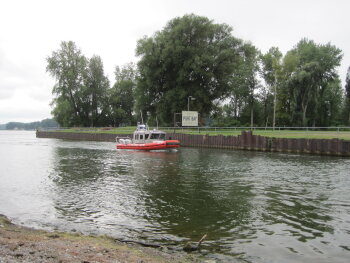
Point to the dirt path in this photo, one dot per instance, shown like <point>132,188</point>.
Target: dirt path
<point>21,244</point>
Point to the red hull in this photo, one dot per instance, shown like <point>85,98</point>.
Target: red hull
<point>169,144</point>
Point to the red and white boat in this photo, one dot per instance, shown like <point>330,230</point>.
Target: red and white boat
<point>145,139</point>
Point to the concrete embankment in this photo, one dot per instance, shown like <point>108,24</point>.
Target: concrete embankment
<point>245,141</point>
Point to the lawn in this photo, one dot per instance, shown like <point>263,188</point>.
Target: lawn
<point>306,134</point>
<point>122,130</point>
<point>298,134</point>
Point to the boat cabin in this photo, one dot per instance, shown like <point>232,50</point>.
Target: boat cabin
<point>144,135</point>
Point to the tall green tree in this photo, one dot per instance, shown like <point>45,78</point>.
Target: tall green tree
<point>266,99</point>
<point>67,66</point>
<point>347,95</point>
<point>250,71</point>
<point>285,100</point>
<point>191,56</point>
<point>95,92</point>
<point>309,67</point>
<point>122,95</point>
<point>330,104</point>
<point>244,82</point>
<point>270,71</point>
<point>81,87</point>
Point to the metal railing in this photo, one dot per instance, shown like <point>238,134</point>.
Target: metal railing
<point>275,129</point>
<point>204,128</point>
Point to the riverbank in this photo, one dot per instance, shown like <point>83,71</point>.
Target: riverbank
<point>246,141</point>
<point>22,244</point>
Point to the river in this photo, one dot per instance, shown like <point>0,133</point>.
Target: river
<point>253,206</point>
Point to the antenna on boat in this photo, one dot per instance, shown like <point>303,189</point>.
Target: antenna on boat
<point>157,122</point>
<point>141,117</point>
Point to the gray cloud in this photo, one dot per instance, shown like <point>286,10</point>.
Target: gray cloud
<point>36,29</point>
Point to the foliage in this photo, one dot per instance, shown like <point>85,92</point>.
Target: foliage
<point>248,70</point>
<point>270,71</point>
<point>244,83</point>
<point>301,88</point>
<point>46,123</point>
<point>347,95</point>
<point>191,56</point>
<point>121,96</point>
<point>347,84</point>
<point>62,112</point>
<point>307,70</point>
<point>96,85</point>
<point>222,116</point>
<point>81,87</point>
<point>67,66</point>
<point>329,104</point>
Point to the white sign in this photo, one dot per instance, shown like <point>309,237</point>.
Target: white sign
<point>190,118</point>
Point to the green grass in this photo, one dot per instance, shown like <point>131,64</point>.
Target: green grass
<point>123,130</point>
<point>297,134</point>
<point>306,134</point>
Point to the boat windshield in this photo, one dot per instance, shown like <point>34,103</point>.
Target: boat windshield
<point>157,136</point>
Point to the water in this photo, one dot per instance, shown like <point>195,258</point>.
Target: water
<point>254,206</point>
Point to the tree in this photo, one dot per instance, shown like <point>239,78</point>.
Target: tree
<point>191,56</point>
<point>96,86</point>
<point>244,82</point>
<point>63,112</point>
<point>46,123</point>
<point>285,101</point>
<point>308,68</point>
<point>80,90</point>
<point>330,104</point>
<point>126,72</point>
<point>347,94</point>
<point>222,116</point>
<point>67,66</point>
<point>250,82</point>
<point>271,67</point>
<point>121,96</point>
<point>266,99</point>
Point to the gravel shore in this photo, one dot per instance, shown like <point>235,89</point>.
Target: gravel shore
<point>22,244</point>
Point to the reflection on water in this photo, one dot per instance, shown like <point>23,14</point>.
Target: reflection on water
<point>258,207</point>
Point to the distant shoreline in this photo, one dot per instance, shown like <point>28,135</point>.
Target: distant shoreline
<point>46,123</point>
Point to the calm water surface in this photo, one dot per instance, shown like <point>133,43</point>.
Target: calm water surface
<point>254,206</point>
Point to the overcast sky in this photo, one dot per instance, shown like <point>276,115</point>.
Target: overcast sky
<point>31,30</point>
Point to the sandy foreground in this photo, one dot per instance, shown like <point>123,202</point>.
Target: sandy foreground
<point>22,244</point>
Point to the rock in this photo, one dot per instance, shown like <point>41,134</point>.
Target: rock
<point>12,247</point>
<point>53,236</point>
<point>189,248</point>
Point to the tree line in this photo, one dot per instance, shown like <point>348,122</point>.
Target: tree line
<point>46,123</point>
<point>232,82</point>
